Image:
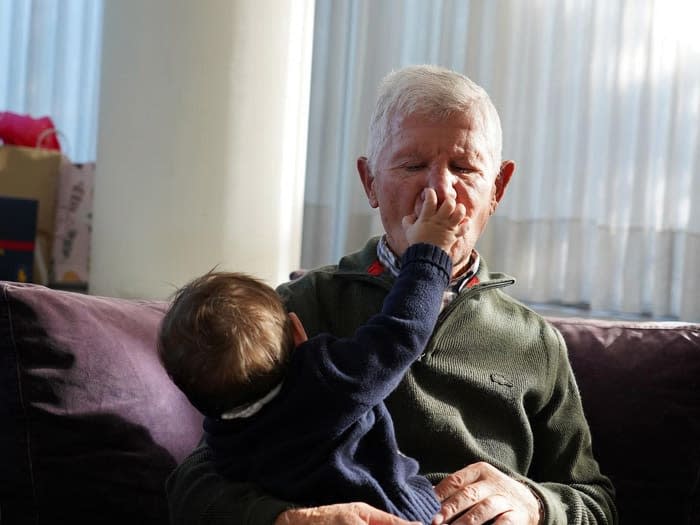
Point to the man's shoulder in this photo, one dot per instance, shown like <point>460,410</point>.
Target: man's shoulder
<point>355,264</point>
<point>360,260</point>
<point>352,262</point>
<point>509,306</point>
<point>523,311</point>
<point>507,315</point>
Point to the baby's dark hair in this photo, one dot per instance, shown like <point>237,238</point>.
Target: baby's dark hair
<point>225,340</point>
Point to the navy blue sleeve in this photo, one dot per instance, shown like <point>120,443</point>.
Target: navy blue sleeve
<point>368,366</point>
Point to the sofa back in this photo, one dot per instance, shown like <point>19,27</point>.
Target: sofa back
<point>92,425</point>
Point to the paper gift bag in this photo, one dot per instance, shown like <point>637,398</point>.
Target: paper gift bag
<point>71,245</point>
<point>31,173</point>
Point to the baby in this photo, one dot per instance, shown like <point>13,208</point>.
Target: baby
<point>305,418</point>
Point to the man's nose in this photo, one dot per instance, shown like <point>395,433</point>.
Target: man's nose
<point>443,182</point>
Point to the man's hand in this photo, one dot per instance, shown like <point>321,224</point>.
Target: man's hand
<point>480,494</point>
<point>340,514</point>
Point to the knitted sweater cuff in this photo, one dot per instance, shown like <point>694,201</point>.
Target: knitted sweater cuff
<point>423,252</point>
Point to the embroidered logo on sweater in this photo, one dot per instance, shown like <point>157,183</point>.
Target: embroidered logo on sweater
<point>501,380</point>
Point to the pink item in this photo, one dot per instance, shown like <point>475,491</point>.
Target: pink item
<point>23,130</point>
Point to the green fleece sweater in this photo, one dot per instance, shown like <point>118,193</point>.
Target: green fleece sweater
<point>494,385</point>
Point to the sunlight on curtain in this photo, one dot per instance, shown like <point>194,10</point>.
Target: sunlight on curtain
<point>600,105</point>
<point>49,66</point>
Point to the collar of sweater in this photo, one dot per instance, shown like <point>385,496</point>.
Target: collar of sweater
<point>389,261</point>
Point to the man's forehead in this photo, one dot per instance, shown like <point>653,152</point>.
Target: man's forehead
<point>467,132</point>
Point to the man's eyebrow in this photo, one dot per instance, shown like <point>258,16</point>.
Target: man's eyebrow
<point>408,150</point>
<point>475,157</point>
<point>405,155</point>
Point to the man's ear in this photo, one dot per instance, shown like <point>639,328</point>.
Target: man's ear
<point>298,329</point>
<point>367,181</point>
<point>502,179</point>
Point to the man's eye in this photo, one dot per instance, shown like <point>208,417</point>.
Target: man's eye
<point>414,167</point>
<point>460,169</point>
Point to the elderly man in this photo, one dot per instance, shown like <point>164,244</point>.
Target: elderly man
<point>491,410</point>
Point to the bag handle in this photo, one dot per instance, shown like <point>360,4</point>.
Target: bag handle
<point>48,132</point>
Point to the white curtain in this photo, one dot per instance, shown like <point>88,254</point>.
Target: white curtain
<point>49,66</point>
<point>600,106</point>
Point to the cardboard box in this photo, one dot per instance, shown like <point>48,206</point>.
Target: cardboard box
<point>18,218</point>
<point>32,173</point>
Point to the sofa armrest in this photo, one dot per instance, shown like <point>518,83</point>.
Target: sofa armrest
<point>640,386</point>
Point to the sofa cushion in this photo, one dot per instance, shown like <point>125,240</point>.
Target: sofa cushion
<point>92,425</point>
<point>640,386</point>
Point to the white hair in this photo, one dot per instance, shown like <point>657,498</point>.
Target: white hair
<point>434,92</point>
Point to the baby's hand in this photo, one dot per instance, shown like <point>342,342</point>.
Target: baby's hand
<point>439,225</point>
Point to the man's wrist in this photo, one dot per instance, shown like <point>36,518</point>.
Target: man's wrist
<point>538,498</point>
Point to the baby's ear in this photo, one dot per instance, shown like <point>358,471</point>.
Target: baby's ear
<point>298,329</point>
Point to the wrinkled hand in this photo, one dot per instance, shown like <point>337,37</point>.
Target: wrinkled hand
<point>340,514</point>
<point>486,494</point>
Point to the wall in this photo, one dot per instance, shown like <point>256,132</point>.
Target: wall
<point>202,142</point>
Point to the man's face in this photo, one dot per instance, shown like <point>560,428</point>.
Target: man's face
<point>453,156</point>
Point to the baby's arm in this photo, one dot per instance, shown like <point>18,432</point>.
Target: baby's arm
<point>366,367</point>
<point>381,350</point>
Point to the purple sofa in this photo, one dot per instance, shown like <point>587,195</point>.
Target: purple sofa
<point>92,425</point>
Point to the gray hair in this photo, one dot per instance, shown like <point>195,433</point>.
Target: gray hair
<point>434,92</point>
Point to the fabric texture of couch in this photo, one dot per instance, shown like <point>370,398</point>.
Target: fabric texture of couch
<point>92,425</point>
